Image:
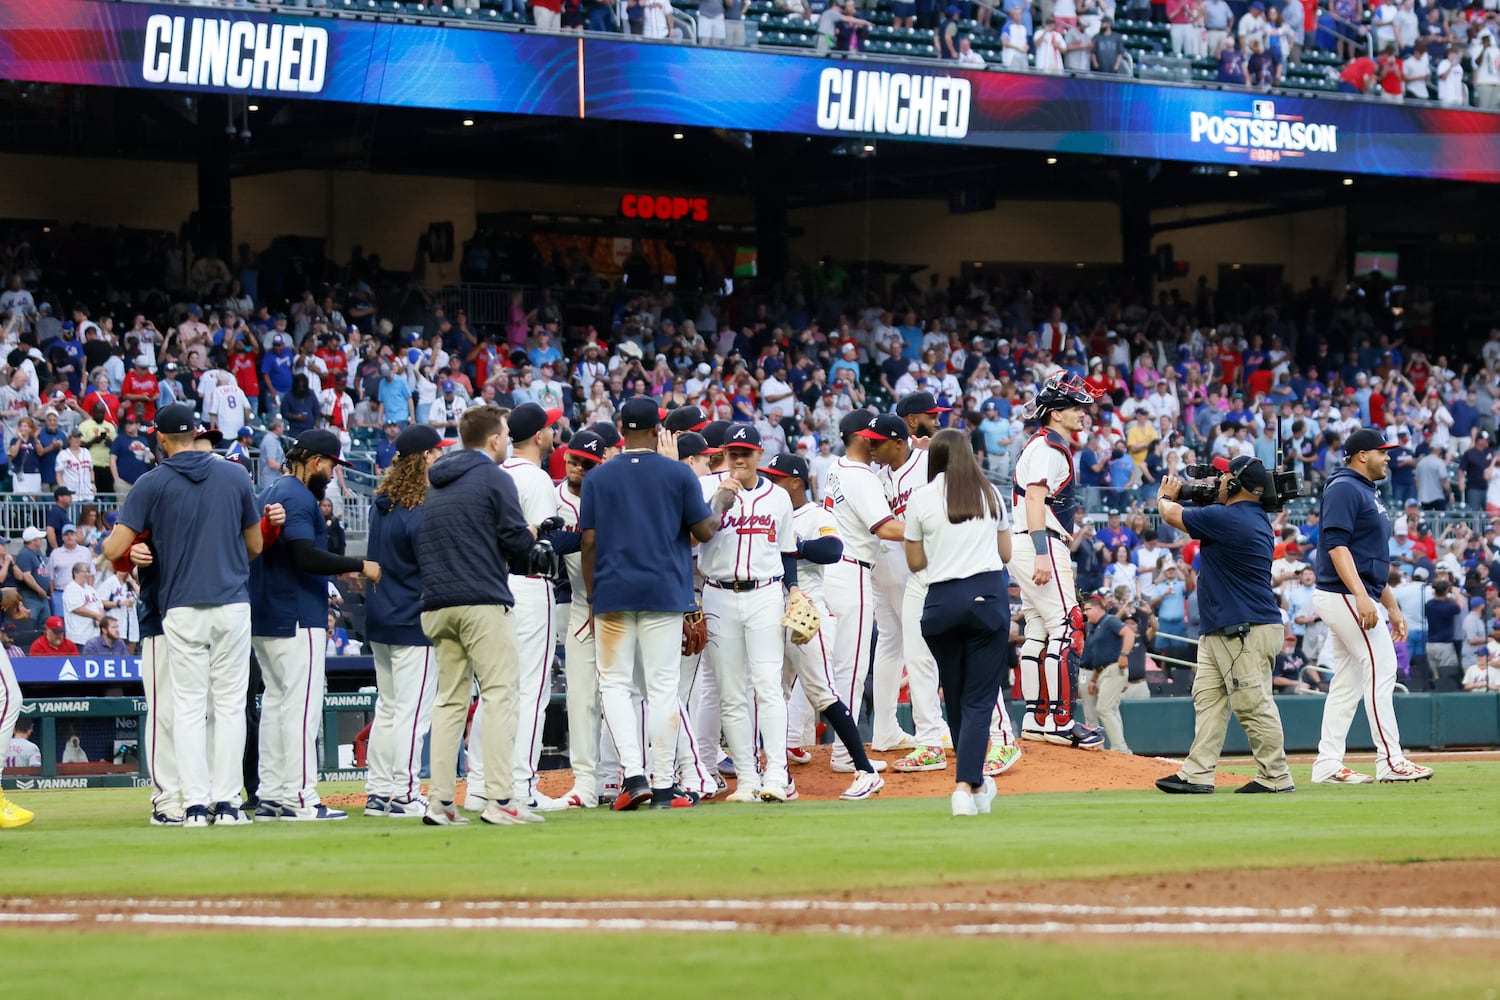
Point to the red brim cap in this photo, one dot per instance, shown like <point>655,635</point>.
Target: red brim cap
<point>741,445</point>
<point>446,443</point>
<point>939,409</point>
<point>583,455</point>
<point>872,435</point>
<point>1221,463</point>
<point>698,427</point>
<point>710,450</point>
<point>553,416</point>
<point>773,473</point>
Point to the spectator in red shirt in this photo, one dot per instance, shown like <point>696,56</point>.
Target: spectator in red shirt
<point>1392,76</point>
<point>52,641</point>
<point>139,390</point>
<point>246,371</point>
<point>1359,76</point>
<point>334,361</point>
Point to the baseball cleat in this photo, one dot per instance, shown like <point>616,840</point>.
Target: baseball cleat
<point>797,755</point>
<point>311,814</point>
<point>776,791</point>
<point>922,759</point>
<point>546,804</point>
<point>12,815</point>
<point>720,786</point>
<point>577,800</point>
<point>866,785</point>
<point>906,741</point>
<point>1001,759</point>
<point>167,817</point>
<point>1078,736</point>
<point>636,793</point>
<point>985,797</point>
<point>1406,771</point>
<point>443,814</point>
<point>963,803</point>
<point>1176,784</point>
<point>197,818</point>
<point>846,766</point>
<point>509,814</point>
<point>726,767</point>
<point>268,811</point>
<point>744,793</point>
<point>228,814</point>
<point>1255,786</point>
<point>675,797</point>
<point>377,805</point>
<point>404,809</point>
<point>1344,776</point>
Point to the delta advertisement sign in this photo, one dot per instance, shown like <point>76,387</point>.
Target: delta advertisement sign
<point>473,69</point>
<point>81,669</point>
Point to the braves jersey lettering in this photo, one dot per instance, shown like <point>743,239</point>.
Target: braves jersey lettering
<point>1047,461</point>
<point>859,507</point>
<point>753,533</point>
<point>899,483</point>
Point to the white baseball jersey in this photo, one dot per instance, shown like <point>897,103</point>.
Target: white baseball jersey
<point>899,483</point>
<point>1041,464</point>
<point>753,534</point>
<point>859,507</point>
<point>538,496</point>
<point>567,509</point>
<point>811,522</point>
<point>227,404</point>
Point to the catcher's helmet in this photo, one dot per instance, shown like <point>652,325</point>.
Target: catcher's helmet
<point>1062,391</point>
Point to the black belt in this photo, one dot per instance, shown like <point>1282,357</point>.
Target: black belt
<point>858,562</point>
<point>742,586</point>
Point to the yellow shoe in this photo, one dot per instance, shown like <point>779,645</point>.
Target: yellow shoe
<point>12,815</point>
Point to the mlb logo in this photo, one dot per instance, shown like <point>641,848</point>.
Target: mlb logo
<point>1265,110</point>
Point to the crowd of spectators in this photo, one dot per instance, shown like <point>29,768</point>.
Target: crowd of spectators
<point>1182,379</point>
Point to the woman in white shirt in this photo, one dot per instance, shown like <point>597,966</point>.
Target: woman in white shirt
<point>1121,572</point>
<point>1416,70</point>
<point>958,534</point>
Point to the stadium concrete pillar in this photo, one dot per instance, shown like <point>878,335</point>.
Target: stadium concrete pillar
<point>1135,225</point>
<point>215,230</point>
<point>770,208</point>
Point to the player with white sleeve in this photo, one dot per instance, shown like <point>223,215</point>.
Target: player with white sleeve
<point>11,815</point>
<point>531,437</point>
<point>1045,507</point>
<point>809,665</point>
<point>744,566</point>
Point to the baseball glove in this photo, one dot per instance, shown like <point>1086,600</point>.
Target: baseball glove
<point>802,618</point>
<point>542,560</point>
<point>694,632</point>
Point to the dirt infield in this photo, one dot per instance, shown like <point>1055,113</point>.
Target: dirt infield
<point>1426,907</point>
<point>1042,768</point>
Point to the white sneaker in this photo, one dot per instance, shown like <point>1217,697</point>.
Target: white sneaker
<point>744,793</point>
<point>546,804</point>
<point>844,765</point>
<point>964,804</point>
<point>512,813</point>
<point>405,808</point>
<point>1405,770</point>
<point>197,817</point>
<point>1344,776</point>
<point>443,814</point>
<point>311,814</point>
<point>775,791</point>
<point>905,741</point>
<point>474,802</point>
<point>229,814</point>
<point>866,784</point>
<point>985,797</point>
<point>576,799</point>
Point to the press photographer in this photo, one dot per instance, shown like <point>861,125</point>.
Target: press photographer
<point>1240,631</point>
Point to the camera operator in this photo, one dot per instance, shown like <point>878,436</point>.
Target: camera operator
<point>1240,627</point>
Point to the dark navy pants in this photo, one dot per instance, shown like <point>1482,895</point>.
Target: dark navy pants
<point>967,625</point>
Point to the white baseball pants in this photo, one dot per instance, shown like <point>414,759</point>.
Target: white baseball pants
<point>847,591</point>
<point>889,584</point>
<point>1002,733</point>
<point>929,729</point>
<point>808,668</point>
<point>1364,668</point>
<point>210,646</point>
<point>694,770</point>
<point>406,682</point>
<point>1044,674</point>
<point>582,673</point>
<point>10,705</point>
<point>704,707</point>
<point>291,713</point>
<point>658,637</point>
<point>157,741</point>
<point>746,628</point>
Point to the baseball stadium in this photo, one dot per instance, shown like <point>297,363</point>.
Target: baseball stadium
<point>1068,423</point>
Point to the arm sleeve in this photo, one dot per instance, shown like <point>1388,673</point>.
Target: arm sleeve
<point>788,570</point>
<point>565,543</point>
<point>308,558</point>
<point>135,512</point>
<point>694,507</point>
<point>822,551</point>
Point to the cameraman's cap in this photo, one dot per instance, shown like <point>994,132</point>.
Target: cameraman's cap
<point>1365,439</point>
<point>176,419</point>
<point>418,439</point>
<point>529,418</point>
<point>886,427</point>
<point>919,402</point>
<point>741,436</point>
<point>685,418</point>
<point>784,466</point>
<point>639,413</point>
<point>320,442</point>
<point>691,444</point>
<point>589,446</point>
<point>1236,467</point>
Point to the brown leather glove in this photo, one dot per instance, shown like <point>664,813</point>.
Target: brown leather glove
<point>694,632</point>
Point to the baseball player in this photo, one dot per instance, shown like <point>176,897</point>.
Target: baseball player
<point>1354,597</point>
<point>696,772</point>
<point>531,443</point>
<point>11,815</point>
<point>703,695</point>
<point>899,595</point>
<point>745,566</point>
<point>864,519</point>
<point>289,626</point>
<point>1045,507</point>
<point>809,666</point>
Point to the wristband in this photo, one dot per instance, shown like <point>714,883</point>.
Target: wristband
<point>1039,542</point>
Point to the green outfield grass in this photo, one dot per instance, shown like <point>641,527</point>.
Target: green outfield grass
<point>98,843</point>
<point>665,967</point>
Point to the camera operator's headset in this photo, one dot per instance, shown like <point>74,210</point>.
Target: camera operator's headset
<point>1233,485</point>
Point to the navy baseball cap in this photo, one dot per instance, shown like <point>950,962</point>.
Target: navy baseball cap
<point>685,418</point>
<point>640,413</point>
<point>714,434</point>
<point>785,465</point>
<point>420,438</point>
<point>741,436</point>
<point>449,385</point>
<point>885,427</point>
<point>1365,439</point>
<point>176,419</point>
<point>586,445</point>
<point>246,432</point>
<point>853,423</point>
<point>607,432</point>
<point>529,418</point>
<point>321,442</point>
<point>212,436</point>
<point>691,444</point>
<point>919,402</point>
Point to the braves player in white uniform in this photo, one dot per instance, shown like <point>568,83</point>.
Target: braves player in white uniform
<point>1045,508</point>
<point>808,673</point>
<point>703,696</point>
<point>864,519</point>
<point>744,566</point>
<point>11,815</point>
<point>696,771</point>
<point>531,435</point>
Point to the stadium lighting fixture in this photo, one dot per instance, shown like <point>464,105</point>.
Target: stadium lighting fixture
<point>678,136</point>
<point>468,123</point>
<point>869,147</point>
<point>253,107</point>
<point>1051,161</point>
<point>1234,173</point>
<point>1348,182</point>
